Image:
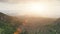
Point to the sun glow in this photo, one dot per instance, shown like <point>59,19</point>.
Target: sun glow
<point>34,9</point>
<point>38,7</point>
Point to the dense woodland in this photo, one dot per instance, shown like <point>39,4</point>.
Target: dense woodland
<point>15,25</point>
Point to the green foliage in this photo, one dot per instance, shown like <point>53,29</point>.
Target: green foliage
<point>9,24</point>
<point>1,30</point>
<point>54,28</point>
<point>8,28</point>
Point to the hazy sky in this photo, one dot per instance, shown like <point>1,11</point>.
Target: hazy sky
<point>19,7</point>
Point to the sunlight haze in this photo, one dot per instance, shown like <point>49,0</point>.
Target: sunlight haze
<point>46,8</point>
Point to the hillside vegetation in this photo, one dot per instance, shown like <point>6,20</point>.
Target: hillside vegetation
<point>28,25</point>
<point>8,24</point>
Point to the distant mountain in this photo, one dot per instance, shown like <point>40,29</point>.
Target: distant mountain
<point>4,17</point>
<point>11,19</point>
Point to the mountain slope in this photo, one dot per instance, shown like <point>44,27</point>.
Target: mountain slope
<point>53,28</point>
<point>8,24</point>
<point>35,25</point>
